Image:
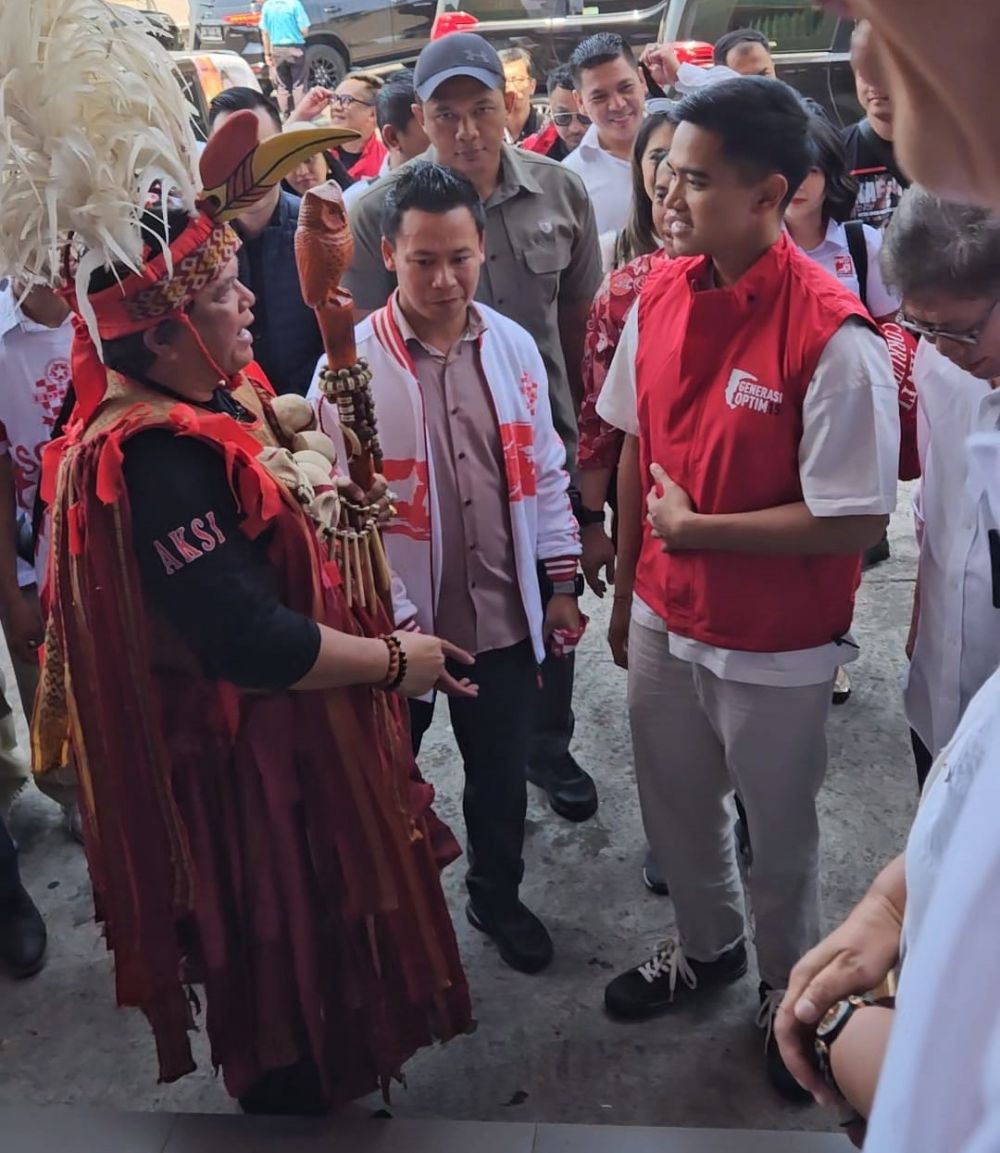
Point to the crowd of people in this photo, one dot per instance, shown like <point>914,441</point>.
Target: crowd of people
<point>672,335</point>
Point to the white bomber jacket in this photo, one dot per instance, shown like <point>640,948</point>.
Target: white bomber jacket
<point>544,527</point>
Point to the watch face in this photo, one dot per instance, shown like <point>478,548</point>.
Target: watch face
<point>832,1017</point>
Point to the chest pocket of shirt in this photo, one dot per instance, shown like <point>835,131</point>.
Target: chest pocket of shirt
<point>546,260</point>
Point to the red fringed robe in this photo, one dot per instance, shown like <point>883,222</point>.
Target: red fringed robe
<point>277,847</point>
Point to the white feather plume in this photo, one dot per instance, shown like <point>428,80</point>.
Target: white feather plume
<point>92,115</point>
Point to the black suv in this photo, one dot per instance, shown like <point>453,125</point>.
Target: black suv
<point>810,47</point>
<point>370,34</point>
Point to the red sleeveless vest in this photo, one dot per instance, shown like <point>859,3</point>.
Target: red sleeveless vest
<point>722,376</point>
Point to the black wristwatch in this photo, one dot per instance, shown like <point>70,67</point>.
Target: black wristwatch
<point>587,516</point>
<point>829,1029</point>
<point>573,588</point>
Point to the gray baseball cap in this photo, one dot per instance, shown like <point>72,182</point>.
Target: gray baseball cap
<point>457,54</point>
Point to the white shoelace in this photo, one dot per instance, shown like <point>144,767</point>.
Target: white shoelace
<point>768,1011</point>
<point>669,961</point>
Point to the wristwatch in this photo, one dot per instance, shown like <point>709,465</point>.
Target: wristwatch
<point>829,1029</point>
<point>587,516</point>
<point>573,588</point>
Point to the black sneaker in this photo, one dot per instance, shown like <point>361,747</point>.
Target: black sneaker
<point>653,987</point>
<point>571,791</point>
<point>652,878</point>
<point>22,935</point>
<point>523,941</point>
<point>777,1071</point>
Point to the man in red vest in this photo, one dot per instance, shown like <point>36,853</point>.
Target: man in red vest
<point>759,401</point>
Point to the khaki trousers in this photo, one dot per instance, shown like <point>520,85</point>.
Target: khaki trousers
<point>696,738</point>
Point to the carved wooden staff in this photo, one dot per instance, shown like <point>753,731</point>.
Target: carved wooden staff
<point>323,250</point>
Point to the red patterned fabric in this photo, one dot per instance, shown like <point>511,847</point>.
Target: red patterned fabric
<point>277,847</point>
<point>600,444</point>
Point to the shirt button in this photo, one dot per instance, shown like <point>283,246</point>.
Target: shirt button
<point>454,412</point>
<point>472,584</point>
<point>493,256</point>
<point>461,456</point>
<point>472,547</point>
<point>467,503</point>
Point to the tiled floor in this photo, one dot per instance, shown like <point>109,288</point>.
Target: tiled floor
<point>89,1131</point>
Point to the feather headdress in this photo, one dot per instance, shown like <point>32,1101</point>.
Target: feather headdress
<point>93,123</point>
<point>92,117</point>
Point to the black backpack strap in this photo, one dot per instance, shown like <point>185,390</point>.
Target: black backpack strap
<point>857,246</point>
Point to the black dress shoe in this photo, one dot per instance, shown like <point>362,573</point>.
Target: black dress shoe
<point>652,878</point>
<point>876,554</point>
<point>571,791</point>
<point>22,935</point>
<point>523,941</point>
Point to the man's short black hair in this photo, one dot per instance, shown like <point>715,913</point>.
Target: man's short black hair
<point>240,99</point>
<point>601,48</point>
<point>763,125</point>
<point>561,77</point>
<point>429,187</point>
<point>394,101</point>
<point>725,44</point>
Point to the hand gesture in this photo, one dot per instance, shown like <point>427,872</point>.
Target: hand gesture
<point>425,666</point>
<point>598,553</point>
<point>669,509</point>
<point>854,959</point>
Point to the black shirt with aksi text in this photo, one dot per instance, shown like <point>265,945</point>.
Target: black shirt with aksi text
<point>213,585</point>
<point>881,182</point>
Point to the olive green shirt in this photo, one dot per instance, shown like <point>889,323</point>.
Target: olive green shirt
<point>541,254</point>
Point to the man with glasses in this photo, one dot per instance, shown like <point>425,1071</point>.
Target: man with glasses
<point>944,259</point>
<point>522,119</point>
<point>352,105</point>
<point>567,124</point>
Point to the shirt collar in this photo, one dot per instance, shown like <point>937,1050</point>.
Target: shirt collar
<point>473,331</point>
<point>11,315</point>
<point>590,146</point>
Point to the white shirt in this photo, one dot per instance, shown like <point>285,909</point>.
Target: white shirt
<point>939,1088</point>
<point>848,461</point>
<point>607,178</point>
<point>34,374</point>
<point>353,191</point>
<point>958,636</point>
<point>834,255</point>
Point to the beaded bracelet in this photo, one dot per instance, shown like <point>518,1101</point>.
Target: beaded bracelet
<point>396,672</point>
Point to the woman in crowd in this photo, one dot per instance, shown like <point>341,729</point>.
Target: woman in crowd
<point>819,221</point>
<point>639,237</point>
<point>317,170</point>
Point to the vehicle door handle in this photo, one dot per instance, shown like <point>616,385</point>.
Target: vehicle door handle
<point>332,9</point>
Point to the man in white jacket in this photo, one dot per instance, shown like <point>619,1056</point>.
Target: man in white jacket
<point>481,501</point>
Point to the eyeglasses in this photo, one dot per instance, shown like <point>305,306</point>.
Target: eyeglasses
<point>969,337</point>
<point>565,119</point>
<point>346,101</point>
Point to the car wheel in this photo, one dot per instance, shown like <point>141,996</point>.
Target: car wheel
<point>325,67</point>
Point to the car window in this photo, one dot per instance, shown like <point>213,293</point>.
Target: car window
<point>514,9</point>
<point>791,27</point>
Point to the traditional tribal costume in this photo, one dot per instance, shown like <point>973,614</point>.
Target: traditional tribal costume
<point>277,847</point>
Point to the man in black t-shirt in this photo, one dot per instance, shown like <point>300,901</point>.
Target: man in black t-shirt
<point>871,157</point>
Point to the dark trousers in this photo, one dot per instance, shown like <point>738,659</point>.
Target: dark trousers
<point>9,877</point>
<point>922,759</point>
<point>554,720</point>
<point>493,732</point>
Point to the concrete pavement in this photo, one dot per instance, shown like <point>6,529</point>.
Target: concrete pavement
<point>544,1051</point>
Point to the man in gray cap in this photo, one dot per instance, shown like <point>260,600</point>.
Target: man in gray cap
<point>542,270</point>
